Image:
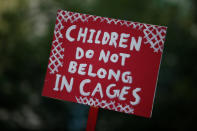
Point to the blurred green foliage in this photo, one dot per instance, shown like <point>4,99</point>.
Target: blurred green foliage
<point>26,32</point>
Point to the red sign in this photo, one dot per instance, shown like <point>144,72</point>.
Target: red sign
<point>104,62</point>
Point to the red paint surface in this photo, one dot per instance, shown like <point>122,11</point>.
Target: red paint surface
<point>143,64</point>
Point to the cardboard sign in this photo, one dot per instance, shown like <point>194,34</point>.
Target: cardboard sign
<point>103,62</point>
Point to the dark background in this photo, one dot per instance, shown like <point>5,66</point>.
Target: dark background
<point>26,32</point>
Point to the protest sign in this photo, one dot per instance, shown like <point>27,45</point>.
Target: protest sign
<point>103,62</point>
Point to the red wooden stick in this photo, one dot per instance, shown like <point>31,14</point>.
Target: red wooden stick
<point>92,117</point>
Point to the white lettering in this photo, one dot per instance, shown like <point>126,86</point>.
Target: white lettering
<point>103,56</point>
<point>57,82</point>
<point>81,69</point>
<point>137,97</point>
<point>124,92</point>
<point>124,56</point>
<point>82,34</point>
<point>123,40</point>
<point>68,33</point>
<point>92,31</point>
<point>115,94</point>
<point>79,53</point>
<point>72,67</point>
<point>106,38</point>
<point>82,92</point>
<point>98,89</point>
<point>126,78</point>
<point>66,84</point>
<point>135,44</point>
<point>114,37</point>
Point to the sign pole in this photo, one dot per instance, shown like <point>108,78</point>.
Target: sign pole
<point>92,117</point>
